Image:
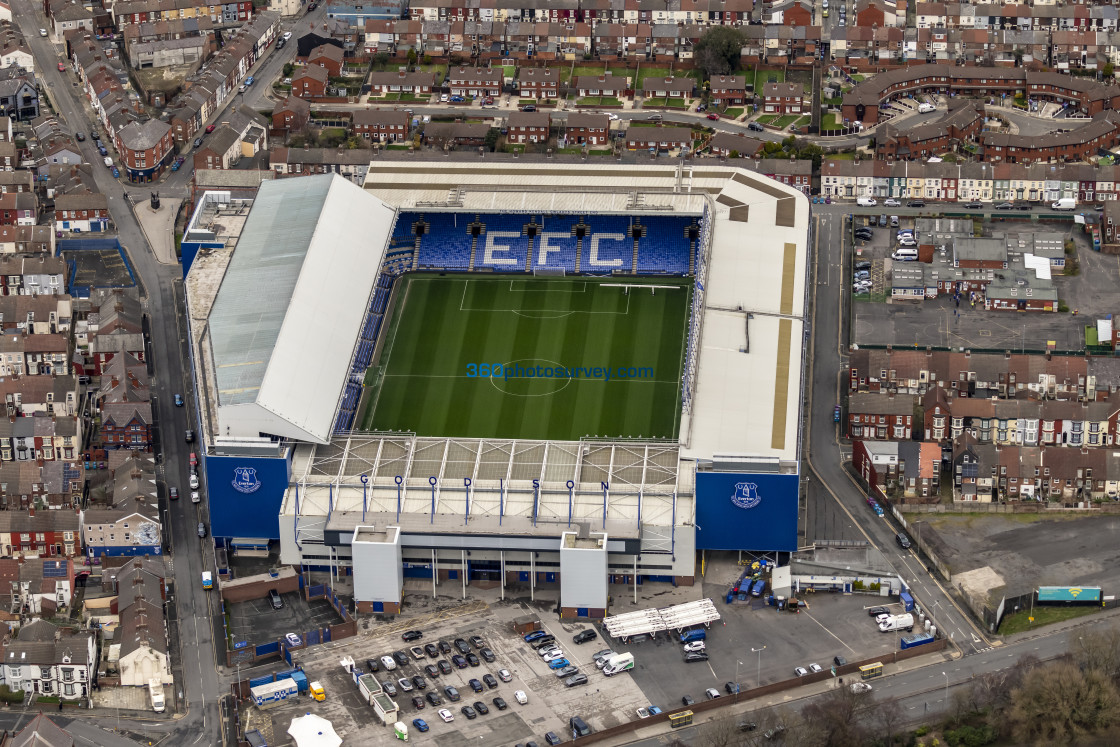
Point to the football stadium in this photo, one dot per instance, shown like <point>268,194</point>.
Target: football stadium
<point>535,375</point>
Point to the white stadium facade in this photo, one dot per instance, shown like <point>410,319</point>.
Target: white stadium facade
<point>284,295</point>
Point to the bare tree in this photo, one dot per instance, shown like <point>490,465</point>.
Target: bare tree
<point>1061,703</point>
<point>889,717</point>
<point>1098,650</point>
<point>723,732</point>
<point>838,716</point>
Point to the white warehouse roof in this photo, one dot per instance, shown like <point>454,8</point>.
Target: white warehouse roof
<point>291,305</point>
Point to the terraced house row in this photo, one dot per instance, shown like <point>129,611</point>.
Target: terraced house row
<point>965,182</point>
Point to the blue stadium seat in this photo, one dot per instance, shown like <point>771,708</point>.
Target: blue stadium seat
<point>612,255</point>
<point>568,244</point>
<point>505,260</point>
<point>447,244</point>
<point>665,247</point>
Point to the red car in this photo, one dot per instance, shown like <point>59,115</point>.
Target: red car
<point>62,67</point>
<point>713,115</point>
<point>209,129</point>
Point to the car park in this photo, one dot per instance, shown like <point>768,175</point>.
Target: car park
<point>459,661</point>
<point>452,693</point>
<point>420,724</point>
<point>487,655</point>
<point>800,671</point>
<point>499,703</point>
<point>433,699</point>
<point>411,635</point>
<point>469,712</point>
<point>444,667</point>
<point>584,636</point>
<point>446,715</point>
<point>480,707</point>
<point>489,680</point>
<point>419,682</point>
<point>475,685</point>
<point>505,675</point>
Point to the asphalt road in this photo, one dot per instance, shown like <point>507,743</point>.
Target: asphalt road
<point>161,284</point>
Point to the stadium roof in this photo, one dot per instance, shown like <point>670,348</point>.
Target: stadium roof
<point>290,307</point>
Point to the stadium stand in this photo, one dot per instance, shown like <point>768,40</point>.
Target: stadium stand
<point>609,251</point>
<point>568,244</point>
<point>447,243</point>
<point>664,246</point>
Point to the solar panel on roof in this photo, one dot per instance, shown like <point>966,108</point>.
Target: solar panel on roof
<point>54,569</point>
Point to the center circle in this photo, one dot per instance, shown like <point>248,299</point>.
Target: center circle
<point>519,378</point>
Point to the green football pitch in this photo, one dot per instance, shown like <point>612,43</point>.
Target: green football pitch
<point>531,358</point>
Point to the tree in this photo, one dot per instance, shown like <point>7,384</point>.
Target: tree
<point>888,717</point>
<point>719,50</point>
<point>381,59</point>
<point>1107,70</point>
<point>722,732</point>
<point>288,69</point>
<point>1060,703</point>
<point>770,148</point>
<point>1098,650</point>
<point>412,57</point>
<point>838,718</point>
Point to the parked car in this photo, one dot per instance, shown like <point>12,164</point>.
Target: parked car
<point>197,142</point>
<point>444,667</point>
<point>431,650</point>
<point>836,413</point>
<point>446,715</point>
<point>469,712</point>
<point>713,116</point>
<point>444,647</point>
<point>892,202</point>
<point>1004,206</point>
<point>411,635</point>
<point>420,724</point>
<point>274,598</point>
<point>974,205</point>
<point>431,670</point>
<point>401,657</point>
<point>558,663</point>
<point>499,703</point>
<point>489,680</point>
<point>688,700</point>
<point>712,693</point>
<point>800,671</point>
<point>584,636</point>
<point>694,646</point>
<point>473,660</point>
<point>372,665</point>
<point>405,685</point>
<point>876,611</point>
<point>732,688</point>
<point>551,738</point>
<point>902,540</point>
<point>433,699</point>
<point>457,99</point>
<point>480,707</point>
<point>389,687</point>
<point>451,693</point>
<point>520,697</point>
<point>916,203</point>
<point>210,128</point>
<point>459,661</point>
<point>487,654</point>
<point>293,640</point>
<point>475,685</point>
<point>576,679</point>
<point>419,682</point>
<point>815,668</point>
<point>530,637</point>
<point>839,661</point>
<point>529,108</point>
<point>504,675</point>
<point>755,127</point>
<point>417,652</point>
<point>567,671</point>
<point>463,647</point>
<point>695,656</point>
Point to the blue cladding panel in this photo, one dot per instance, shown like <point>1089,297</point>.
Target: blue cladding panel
<point>736,511</point>
<point>245,495</point>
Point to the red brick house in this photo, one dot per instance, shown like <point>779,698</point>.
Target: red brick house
<point>657,138</point>
<point>81,211</point>
<point>539,82</point>
<point>19,209</point>
<point>381,125</point>
<point>587,129</point>
<point>42,533</point>
<point>673,88</point>
<point>871,15</point>
<point>782,98</point>
<point>798,14</point>
<point>401,81</point>
<point>603,85</point>
<point>291,114</point>
<point>126,425</point>
<point>728,89</point>
<point>310,83</point>
<point>529,127</point>
<point>146,149</point>
<point>881,417</point>
<point>328,57</point>
<point>475,81</point>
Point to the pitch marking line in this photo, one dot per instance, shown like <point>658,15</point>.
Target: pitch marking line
<point>533,313</point>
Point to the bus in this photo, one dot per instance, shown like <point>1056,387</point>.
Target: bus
<point>683,718</point>
<point>869,671</point>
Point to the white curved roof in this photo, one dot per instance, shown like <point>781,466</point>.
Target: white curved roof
<point>291,305</point>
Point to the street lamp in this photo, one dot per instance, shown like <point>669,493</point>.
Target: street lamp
<point>946,689</point>
<point>738,687</point>
<point>758,677</point>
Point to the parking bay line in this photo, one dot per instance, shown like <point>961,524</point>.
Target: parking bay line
<point>818,622</point>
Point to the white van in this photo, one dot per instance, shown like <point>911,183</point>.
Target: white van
<point>866,202</point>
<point>905,254</point>
<point>1066,203</point>
<point>897,622</point>
<point>925,108</point>
<point>618,663</point>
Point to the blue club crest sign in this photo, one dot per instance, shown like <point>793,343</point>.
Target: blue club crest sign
<point>245,480</point>
<point>746,495</point>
